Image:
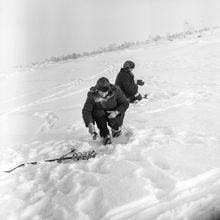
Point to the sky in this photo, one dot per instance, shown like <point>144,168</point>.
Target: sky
<point>33,30</point>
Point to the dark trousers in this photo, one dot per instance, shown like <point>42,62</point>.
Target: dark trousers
<point>102,121</point>
<point>131,99</point>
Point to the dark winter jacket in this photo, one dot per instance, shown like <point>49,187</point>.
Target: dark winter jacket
<point>125,80</point>
<point>115,100</point>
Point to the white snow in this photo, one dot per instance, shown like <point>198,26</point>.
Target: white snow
<point>166,164</point>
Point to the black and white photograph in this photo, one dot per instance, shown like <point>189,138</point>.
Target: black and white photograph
<point>109,110</point>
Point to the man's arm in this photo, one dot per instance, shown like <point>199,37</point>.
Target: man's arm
<point>87,110</point>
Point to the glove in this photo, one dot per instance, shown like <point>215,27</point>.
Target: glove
<point>113,114</point>
<point>91,128</point>
<point>145,96</point>
<point>140,82</point>
<point>138,96</point>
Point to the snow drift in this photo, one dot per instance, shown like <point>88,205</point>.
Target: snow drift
<point>164,166</point>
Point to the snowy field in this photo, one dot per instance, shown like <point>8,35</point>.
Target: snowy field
<point>165,166</point>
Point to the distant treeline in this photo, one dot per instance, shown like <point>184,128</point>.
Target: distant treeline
<point>114,46</point>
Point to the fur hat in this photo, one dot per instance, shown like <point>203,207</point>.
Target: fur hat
<point>129,64</point>
<point>103,84</point>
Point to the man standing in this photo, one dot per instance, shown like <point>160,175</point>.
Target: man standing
<point>125,80</point>
<point>105,105</point>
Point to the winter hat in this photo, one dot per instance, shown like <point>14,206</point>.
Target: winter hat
<point>103,84</point>
<point>129,64</point>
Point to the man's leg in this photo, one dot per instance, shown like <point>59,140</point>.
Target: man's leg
<point>102,126</point>
<point>115,124</point>
<point>103,129</point>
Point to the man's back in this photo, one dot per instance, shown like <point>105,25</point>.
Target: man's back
<point>125,80</point>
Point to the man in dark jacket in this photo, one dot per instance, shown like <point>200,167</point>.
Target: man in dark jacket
<point>105,105</point>
<point>125,80</point>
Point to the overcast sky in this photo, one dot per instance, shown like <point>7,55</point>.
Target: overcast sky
<point>32,30</point>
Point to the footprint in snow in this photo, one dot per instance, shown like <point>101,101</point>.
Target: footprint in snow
<point>50,120</point>
<point>160,179</point>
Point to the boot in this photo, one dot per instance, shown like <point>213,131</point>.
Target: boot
<point>116,133</point>
<point>107,140</point>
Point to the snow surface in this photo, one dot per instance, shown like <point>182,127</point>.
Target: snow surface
<point>165,165</point>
